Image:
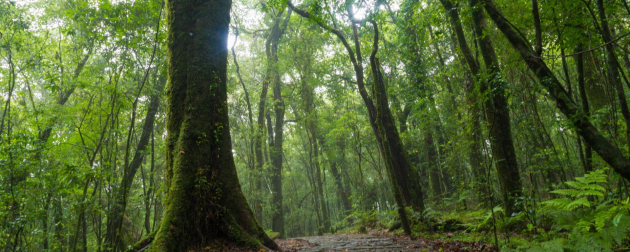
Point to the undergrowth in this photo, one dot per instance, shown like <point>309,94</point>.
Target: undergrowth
<point>583,216</point>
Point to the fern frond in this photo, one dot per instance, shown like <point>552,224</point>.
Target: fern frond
<point>567,192</point>
<point>589,193</point>
<point>560,203</point>
<point>581,202</point>
<point>575,184</point>
<point>594,187</point>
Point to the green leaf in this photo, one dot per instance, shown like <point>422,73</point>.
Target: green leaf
<point>581,202</point>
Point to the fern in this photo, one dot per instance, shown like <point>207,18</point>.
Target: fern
<point>580,191</point>
<point>585,208</point>
<point>584,205</point>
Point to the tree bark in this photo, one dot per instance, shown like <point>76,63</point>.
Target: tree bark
<point>204,200</point>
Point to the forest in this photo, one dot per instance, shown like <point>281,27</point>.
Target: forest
<point>212,125</point>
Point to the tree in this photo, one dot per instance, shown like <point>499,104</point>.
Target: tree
<point>204,201</point>
<point>497,115</point>
<point>404,173</point>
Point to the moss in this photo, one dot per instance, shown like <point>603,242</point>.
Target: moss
<point>273,235</point>
<point>204,206</point>
<point>143,243</point>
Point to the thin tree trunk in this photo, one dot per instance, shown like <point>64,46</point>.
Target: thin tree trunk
<point>308,97</point>
<point>404,174</point>
<point>341,192</point>
<point>588,152</point>
<point>276,153</point>
<point>434,171</point>
<point>113,238</point>
<point>255,173</point>
<point>498,116</point>
<point>536,16</point>
<point>419,83</point>
<point>475,146</point>
<point>613,67</point>
<point>271,48</point>
<point>318,180</point>
<point>65,94</point>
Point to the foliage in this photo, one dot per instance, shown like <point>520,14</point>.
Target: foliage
<point>77,78</point>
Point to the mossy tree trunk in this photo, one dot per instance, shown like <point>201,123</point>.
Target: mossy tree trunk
<point>382,111</point>
<point>204,201</point>
<point>497,115</point>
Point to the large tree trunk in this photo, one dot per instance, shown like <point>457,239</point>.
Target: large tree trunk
<point>609,153</point>
<point>204,200</point>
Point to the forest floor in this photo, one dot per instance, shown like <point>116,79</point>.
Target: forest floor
<point>378,242</point>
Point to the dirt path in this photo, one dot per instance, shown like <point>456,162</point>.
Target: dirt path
<point>377,243</point>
